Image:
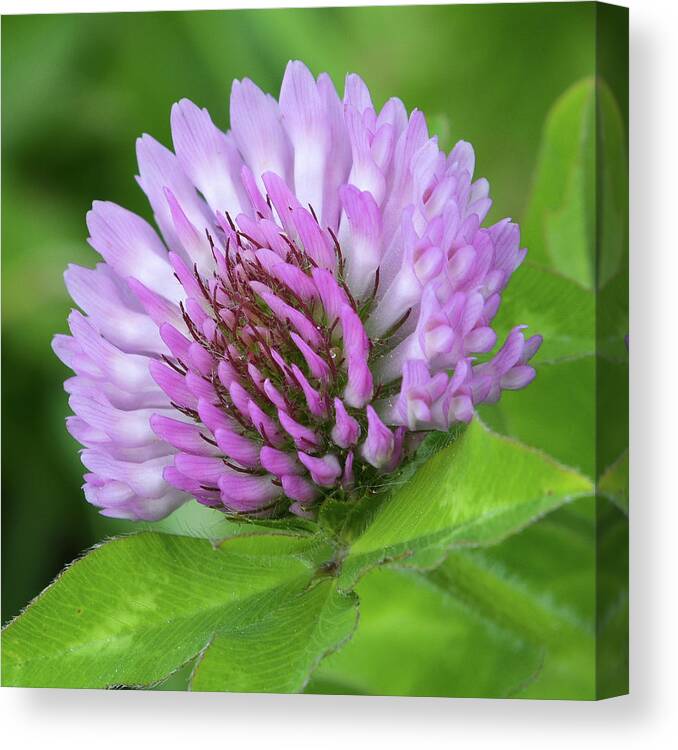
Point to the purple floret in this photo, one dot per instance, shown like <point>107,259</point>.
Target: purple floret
<point>315,300</point>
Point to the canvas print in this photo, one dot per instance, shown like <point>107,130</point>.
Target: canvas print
<point>315,351</point>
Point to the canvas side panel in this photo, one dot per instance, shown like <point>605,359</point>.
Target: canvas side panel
<point>612,371</point>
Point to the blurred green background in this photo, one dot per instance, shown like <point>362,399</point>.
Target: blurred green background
<point>78,89</point>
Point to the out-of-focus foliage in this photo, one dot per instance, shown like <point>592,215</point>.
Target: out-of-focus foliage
<point>489,622</point>
<point>76,92</point>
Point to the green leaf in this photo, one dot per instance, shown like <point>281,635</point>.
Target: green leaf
<point>557,413</point>
<point>577,219</point>
<point>476,491</point>
<point>559,227</point>
<point>576,410</point>
<point>415,639</point>
<point>137,608</point>
<point>551,304</point>
<point>277,653</point>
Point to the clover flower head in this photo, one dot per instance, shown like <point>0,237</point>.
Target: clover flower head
<point>317,299</point>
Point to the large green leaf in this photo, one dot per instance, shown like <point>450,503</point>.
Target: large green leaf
<point>137,608</point>
<point>476,491</point>
<point>416,639</point>
<point>277,653</point>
